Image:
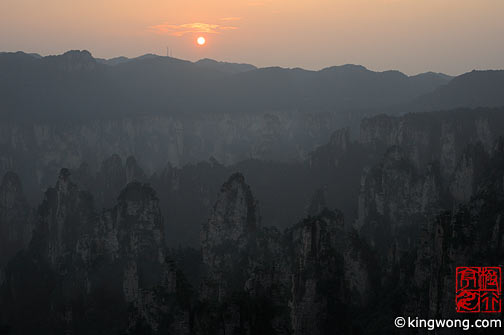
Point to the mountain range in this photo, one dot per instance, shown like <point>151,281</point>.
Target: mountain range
<point>76,85</point>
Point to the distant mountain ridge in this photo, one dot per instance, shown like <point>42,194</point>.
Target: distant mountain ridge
<point>75,85</point>
<point>231,68</point>
<point>472,89</point>
<point>226,67</point>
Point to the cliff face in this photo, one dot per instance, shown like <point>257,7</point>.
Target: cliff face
<point>292,282</point>
<point>229,247</point>
<point>432,162</point>
<point>16,218</point>
<point>471,233</point>
<point>422,242</point>
<point>157,140</point>
<point>55,259</point>
<point>235,219</point>
<point>435,136</point>
<point>108,271</point>
<point>328,272</point>
<point>395,198</point>
<point>130,237</point>
<point>65,216</point>
<point>456,143</point>
<point>431,204</point>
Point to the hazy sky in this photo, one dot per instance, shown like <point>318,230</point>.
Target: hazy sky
<point>451,36</point>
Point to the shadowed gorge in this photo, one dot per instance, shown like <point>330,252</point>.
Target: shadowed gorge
<point>359,231</point>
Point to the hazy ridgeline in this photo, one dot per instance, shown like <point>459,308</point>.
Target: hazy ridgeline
<point>61,111</point>
<point>154,195</point>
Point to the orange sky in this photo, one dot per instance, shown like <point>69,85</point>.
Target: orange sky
<point>451,36</point>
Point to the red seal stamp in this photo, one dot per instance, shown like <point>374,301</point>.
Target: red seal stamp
<point>478,289</point>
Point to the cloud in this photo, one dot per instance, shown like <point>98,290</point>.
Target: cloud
<point>187,28</point>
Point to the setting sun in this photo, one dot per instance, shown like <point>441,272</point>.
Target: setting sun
<point>201,40</point>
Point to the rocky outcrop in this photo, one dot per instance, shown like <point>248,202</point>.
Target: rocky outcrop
<point>330,269</point>
<point>229,238</point>
<point>229,251</point>
<point>55,259</point>
<point>434,136</point>
<point>98,271</point>
<point>317,272</point>
<point>471,233</point>
<point>131,237</point>
<point>72,61</point>
<point>433,162</point>
<point>301,278</point>
<point>65,216</point>
<point>395,197</point>
<point>16,218</point>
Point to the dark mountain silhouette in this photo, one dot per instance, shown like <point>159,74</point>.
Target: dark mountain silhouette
<point>76,85</point>
<point>472,89</point>
<point>469,90</point>
<point>113,61</point>
<point>226,67</point>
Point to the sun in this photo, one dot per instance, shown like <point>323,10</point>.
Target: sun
<point>201,40</point>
